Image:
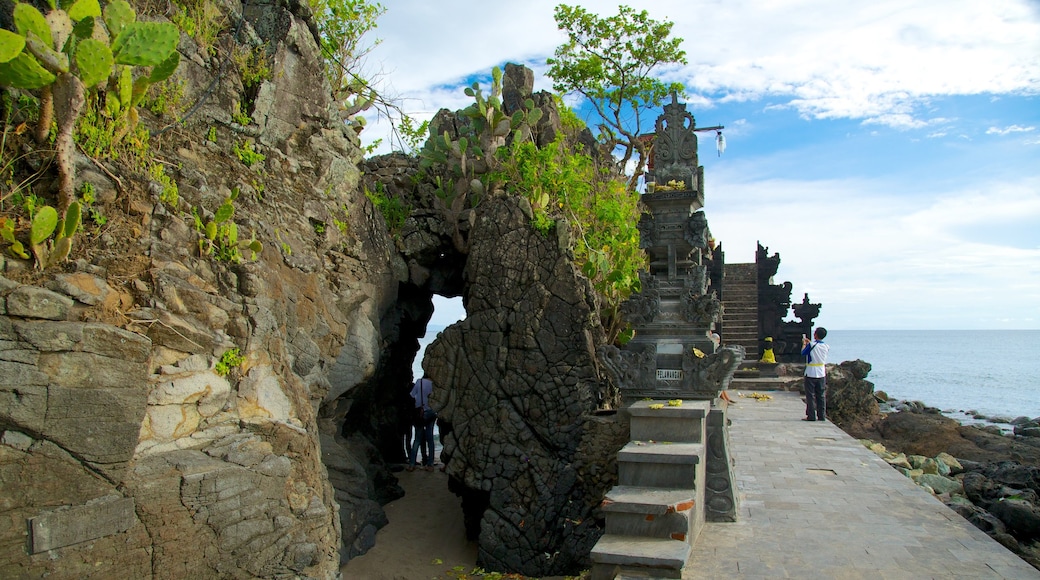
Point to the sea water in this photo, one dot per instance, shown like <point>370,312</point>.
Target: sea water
<point>991,372</point>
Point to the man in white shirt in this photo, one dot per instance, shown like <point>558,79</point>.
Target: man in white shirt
<point>815,353</point>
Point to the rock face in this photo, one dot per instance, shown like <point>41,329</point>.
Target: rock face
<point>850,397</point>
<point>515,382</point>
<point>184,416</point>
<point>133,445</point>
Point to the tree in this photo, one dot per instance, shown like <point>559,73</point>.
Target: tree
<point>609,62</point>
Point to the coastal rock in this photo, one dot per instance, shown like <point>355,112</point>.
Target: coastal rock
<point>1021,517</point>
<point>518,377</point>
<point>939,483</point>
<point>850,398</point>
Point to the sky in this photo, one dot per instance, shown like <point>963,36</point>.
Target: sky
<point>889,151</point>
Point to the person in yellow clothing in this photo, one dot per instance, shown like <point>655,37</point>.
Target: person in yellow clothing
<point>815,353</point>
<point>767,354</point>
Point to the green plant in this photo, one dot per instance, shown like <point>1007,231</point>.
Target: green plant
<point>252,65</point>
<point>342,24</point>
<point>165,98</point>
<point>7,233</point>
<point>394,210</point>
<point>609,61</point>
<point>201,20</point>
<point>343,226</point>
<point>464,160</point>
<point>410,135</point>
<point>246,154</point>
<point>47,251</point>
<point>211,135</point>
<point>239,116</point>
<point>66,53</point>
<point>29,202</point>
<point>219,236</point>
<point>319,227</point>
<point>599,209</point>
<point>87,197</point>
<point>170,194</point>
<point>231,359</point>
<point>286,248</point>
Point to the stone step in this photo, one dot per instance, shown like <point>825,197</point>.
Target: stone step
<point>617,556</point>
<point>663,465</point>
<point>682,424</point>
<point>653,513</point>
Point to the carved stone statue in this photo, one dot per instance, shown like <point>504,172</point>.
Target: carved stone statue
<point>675,149</point>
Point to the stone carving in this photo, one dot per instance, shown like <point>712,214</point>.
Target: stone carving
<point>675,149</point>
<point>774,301</point>
<point>696,232</point>
<point>634,369</point>
<point>702,310</point>
<point>645,306</point>
<point>805,311</point>
<point>697,280</point>
<point>646,230</point>
<point>710,374</point>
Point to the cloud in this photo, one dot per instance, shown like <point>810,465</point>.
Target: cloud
<point>1008,130</point>
<point>879,62</point>
<point>864,246</point>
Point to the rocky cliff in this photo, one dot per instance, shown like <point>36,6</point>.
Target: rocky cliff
<point>135,444</point>
<point>170,411</point>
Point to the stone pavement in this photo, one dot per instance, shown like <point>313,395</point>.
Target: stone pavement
<point>815,503</point>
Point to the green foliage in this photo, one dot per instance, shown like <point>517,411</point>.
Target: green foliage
<point>600,211</point>
<point>46,223</point>
<point>394,210</point>
<point>464,160</point>
<point>165,98</point>
<point>105,130</point>
<point>231,359</point>
<point>211,135</point>
<point>411,136</point>
<point>200,19</point>
<point>239,116</point>
<point>252,65</point>
<point>342,25</point>
<point>218,237</point>
<point>609,61</point>
<point>247,154</point>
<point>69,52</point>
<point>169,195</point>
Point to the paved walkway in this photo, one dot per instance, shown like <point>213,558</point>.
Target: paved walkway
<point>815,503</point>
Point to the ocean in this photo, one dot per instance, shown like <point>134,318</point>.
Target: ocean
<point>991,372</point>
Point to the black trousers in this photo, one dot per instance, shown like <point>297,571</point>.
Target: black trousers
<point>816,398</point>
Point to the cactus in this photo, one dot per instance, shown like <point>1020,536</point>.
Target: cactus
<point>475,150</point>
<point>94,60</point>
<point>11,45</point>
<point>45,223</point>
<point>62,54</point>
<point>145,43</point>
<point>7,233</point>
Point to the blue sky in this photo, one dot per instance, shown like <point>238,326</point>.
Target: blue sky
<point>889,151</point>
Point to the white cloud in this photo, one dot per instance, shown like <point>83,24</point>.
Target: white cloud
<point>1008,130</point>
<point>879,257</point>
<point>878,61</point>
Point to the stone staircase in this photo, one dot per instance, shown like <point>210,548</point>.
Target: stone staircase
<point>657,510</point>
<point>740,308</point>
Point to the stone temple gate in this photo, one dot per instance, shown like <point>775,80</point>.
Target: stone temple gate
<point>675,473</point>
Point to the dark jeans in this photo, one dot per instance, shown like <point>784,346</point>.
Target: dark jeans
<point>816,398</point>
<point>424,439</point>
